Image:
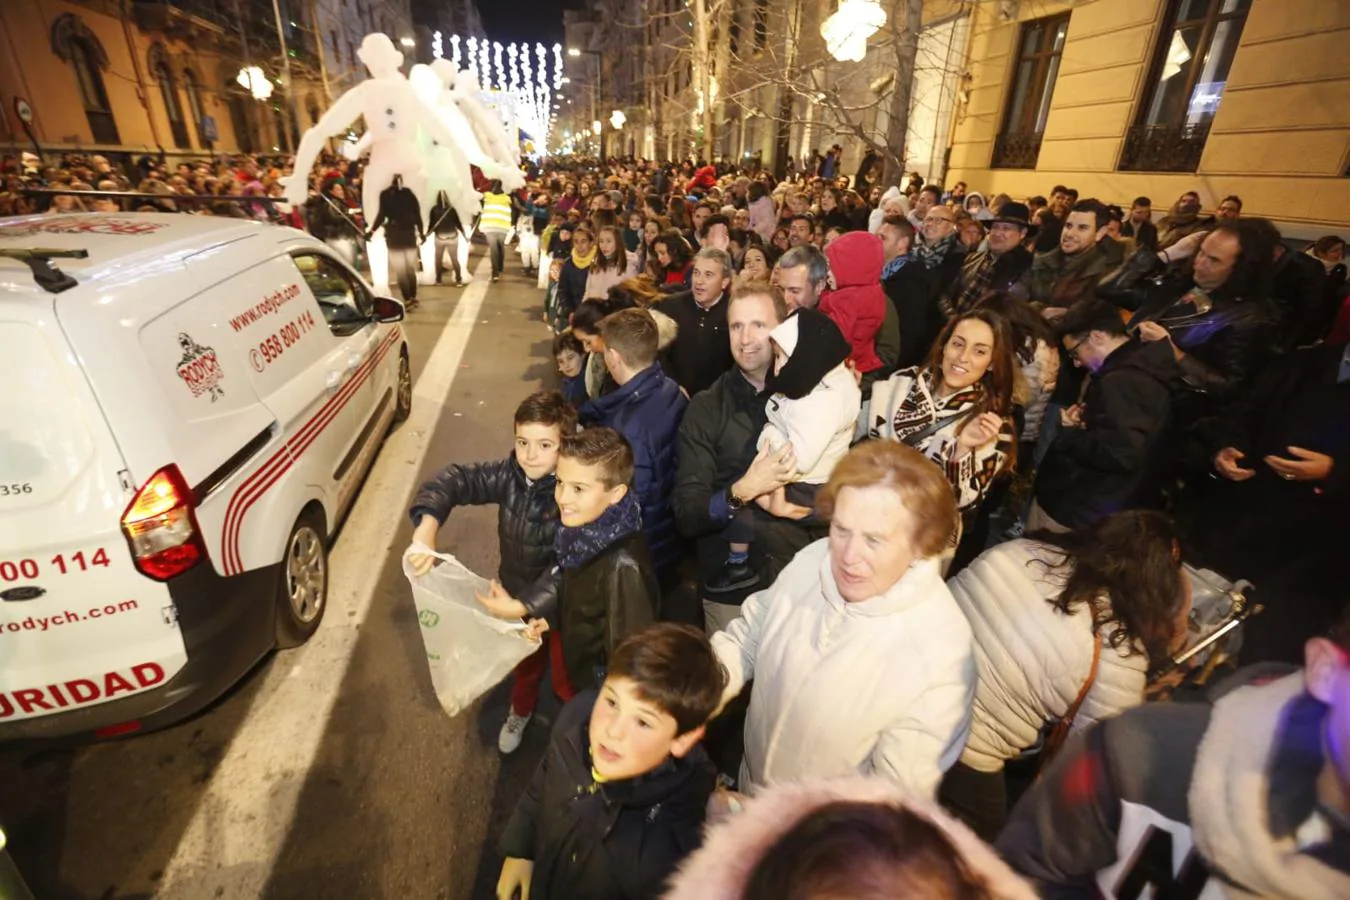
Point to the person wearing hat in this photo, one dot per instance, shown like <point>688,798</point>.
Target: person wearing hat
<point>996,268</point>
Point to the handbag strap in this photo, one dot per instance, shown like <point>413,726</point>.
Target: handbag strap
<point>918,437</point>
<point>1072,712</point>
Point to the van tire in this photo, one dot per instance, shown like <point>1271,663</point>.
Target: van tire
<point>403,390</point>
<point>302,584</point>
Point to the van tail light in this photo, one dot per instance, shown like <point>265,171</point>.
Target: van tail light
<point>161,527</point>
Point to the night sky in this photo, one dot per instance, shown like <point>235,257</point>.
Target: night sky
<point>525,20</point>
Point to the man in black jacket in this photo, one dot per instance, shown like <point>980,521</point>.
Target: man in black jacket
<point>997,268</point>
<point>401,216</point>
<point>718,470</point>
<point>701,351</point>
<point>1109,452</point>
<point>527,519</point>
<point>909,287</point>
<point>619,798</point>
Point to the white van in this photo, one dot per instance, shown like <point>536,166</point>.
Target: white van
<point>187,407</point>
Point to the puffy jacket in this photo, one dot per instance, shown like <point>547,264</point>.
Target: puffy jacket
<point>857,303</point>
<point>910,291</point>
<point>703,179</point>
<point>1032,659</point>
<point>882,686</point>
<point>527,514</point>
<point>647,412</point>
<point>571,286</point>
<point>1116,461</point>
<point>614,841</point>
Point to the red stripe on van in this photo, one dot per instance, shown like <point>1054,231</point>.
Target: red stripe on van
<point>271,471</point>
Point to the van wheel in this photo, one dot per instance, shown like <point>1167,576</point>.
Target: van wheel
<point>404,388</point>
<point>302,594</point>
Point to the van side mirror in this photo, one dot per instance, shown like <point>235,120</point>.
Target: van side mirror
<point>387,310</point>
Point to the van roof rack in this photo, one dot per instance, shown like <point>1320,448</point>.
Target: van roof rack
<point>49,277</point>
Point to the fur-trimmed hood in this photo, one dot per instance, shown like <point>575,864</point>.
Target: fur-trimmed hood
<point>731,849</point>
<point>667,329</point>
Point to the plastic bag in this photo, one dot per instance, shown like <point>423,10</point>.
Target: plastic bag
<point>468,651</point>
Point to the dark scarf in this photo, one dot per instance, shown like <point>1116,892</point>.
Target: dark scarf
<point>577,546</point>
<point>820,348</point>
<point>932,255</point>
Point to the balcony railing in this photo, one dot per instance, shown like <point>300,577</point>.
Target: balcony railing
<point>1164,148</point>
<point>1017,150</point>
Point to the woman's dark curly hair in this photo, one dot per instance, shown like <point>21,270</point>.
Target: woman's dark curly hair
<point>1127,569</point>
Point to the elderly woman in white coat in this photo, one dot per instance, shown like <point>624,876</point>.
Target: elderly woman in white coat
<point>862,661</point>
<point>1061,619</point>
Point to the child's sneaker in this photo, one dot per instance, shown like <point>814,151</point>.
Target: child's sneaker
<point>513,731</point>
<point>734,576</point>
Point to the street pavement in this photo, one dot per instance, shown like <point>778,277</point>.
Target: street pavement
<point>330,771</point>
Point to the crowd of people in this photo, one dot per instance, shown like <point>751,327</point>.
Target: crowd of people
<point>856,506</point>
<point>934,474</point>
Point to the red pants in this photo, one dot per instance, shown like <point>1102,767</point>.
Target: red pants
<point>530,671</point>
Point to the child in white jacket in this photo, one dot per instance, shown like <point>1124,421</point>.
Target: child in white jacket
<point>813,404</point>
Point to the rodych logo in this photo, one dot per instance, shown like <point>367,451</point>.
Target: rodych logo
<point>199,368</point>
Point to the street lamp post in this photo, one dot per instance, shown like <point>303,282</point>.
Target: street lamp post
<point>597,95</point>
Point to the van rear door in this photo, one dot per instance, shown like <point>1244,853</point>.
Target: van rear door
<point>79,622</point>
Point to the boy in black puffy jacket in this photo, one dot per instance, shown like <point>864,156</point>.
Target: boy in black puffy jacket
<point>527,519</point>
<point>620,795</point>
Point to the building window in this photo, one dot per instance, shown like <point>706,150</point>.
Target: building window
<point>194,98</point>
<point>1040,46</point>
<point>169,91</point>
<point>1186,81</point>
<point>761,22</point>
<point>93,95</point>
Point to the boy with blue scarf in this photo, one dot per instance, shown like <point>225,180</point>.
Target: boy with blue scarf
<point>606,588</point>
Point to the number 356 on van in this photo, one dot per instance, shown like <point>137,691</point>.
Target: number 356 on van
<point>190,404</point>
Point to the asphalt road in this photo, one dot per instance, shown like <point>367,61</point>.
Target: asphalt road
<point>330,771</point>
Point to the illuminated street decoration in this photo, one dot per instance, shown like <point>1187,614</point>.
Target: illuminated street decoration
<point>517,75</point>
<point>617,119</point>
<point>252,79</point>
<point>846,32</point>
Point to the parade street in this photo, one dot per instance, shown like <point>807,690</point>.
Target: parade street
<point>330,771</point>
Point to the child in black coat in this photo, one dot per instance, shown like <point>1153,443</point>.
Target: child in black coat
<point>620,796</point>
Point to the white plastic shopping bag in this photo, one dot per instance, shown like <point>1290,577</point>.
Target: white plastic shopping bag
<point>468,650</point>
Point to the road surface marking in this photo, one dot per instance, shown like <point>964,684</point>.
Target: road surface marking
<point>244,817</point>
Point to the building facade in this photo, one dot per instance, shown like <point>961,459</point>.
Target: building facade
<point>141,76</point>
<point>1122,98</point>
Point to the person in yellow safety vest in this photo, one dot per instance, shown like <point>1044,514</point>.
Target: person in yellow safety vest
<point>494,224</point>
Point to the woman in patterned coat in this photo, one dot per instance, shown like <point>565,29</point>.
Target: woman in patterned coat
<point>956,409</point>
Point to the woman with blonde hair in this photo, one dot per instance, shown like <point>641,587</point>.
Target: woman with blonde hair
<point>862,661</point>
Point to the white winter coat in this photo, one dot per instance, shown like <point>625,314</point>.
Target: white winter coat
<point>882,686</point>
<point>820,425</point>
<point>1033,659</point>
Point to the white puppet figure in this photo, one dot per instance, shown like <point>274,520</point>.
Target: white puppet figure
<point>500,153</point>
<point>447,165</point>
<point>393,112</point>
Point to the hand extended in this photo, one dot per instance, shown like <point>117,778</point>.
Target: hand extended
<point>516,875</point>
<point>776,504</point>
<point>499,604</point>
<point>1072,416</point>
<point>1308,465</point>
<point>770,470</point>
<point>1152,331</point>
<point>424,534</point>
<point>978,431</point>
<point>1226,464</point>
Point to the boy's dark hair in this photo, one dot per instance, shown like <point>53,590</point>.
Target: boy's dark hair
<point>547,408</point>
<point>674,668</point>
<point>1095,207</point>
<point>933,189</point>
<point>1235,199</point>
<point>564,341</point>
<point>632,334</point>
<point>1091,315</point>
<point>1141,201</point>
<point>1058,189</point>
<point>604,448</point>
<point>714,219</point>
<point>1036,200</point>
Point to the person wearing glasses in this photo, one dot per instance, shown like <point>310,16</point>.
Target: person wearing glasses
<point>1110,452</point>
